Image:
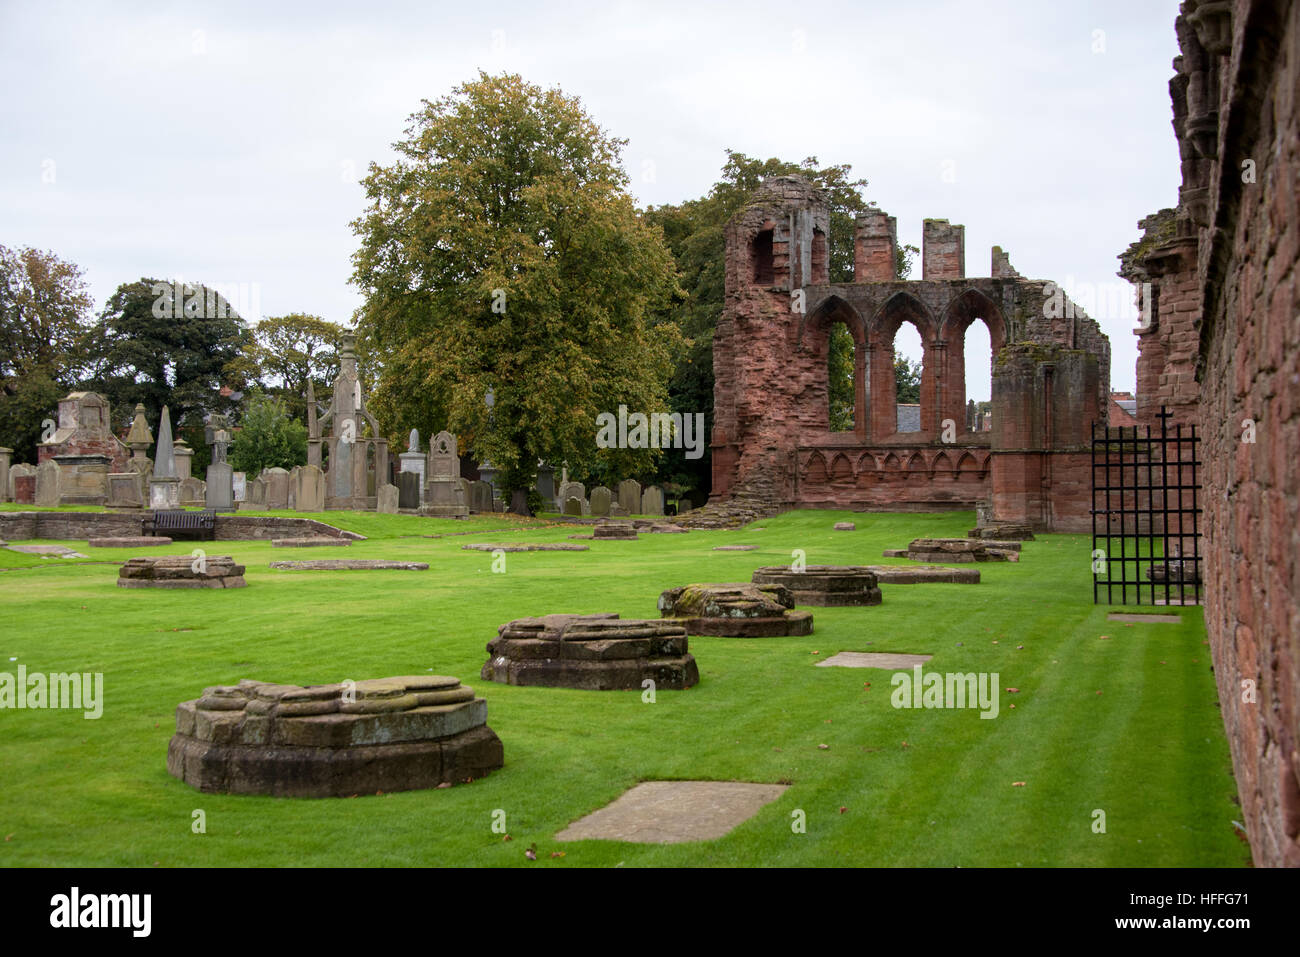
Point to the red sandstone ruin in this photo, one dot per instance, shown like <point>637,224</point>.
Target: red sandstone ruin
<point>772,443</point>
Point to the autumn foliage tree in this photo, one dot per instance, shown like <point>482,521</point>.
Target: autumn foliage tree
<point>44,315</point>
<point>502,256</point>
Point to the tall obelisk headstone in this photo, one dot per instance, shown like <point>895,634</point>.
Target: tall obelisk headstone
<point>165,486</point>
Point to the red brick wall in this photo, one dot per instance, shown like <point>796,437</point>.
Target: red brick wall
<point>1248,348</point>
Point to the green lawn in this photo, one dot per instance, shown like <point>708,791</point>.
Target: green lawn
<point>894,787</point>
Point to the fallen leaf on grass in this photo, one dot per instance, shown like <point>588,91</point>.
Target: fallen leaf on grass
<point>843,808</point>
<point>557,853</point>
<point>506,838</point>
<point>1017,784</point>
<point>823,747</point>
<point>1013,690</point>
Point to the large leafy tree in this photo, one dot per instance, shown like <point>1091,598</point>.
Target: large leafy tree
<point>163,343</point>
<point>44,312</point>
<point>502,258</point>
<point>695,231</point>
<point>291,350</point>
<point>268,437</point>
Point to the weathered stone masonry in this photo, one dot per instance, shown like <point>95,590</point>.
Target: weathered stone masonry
<point>771,394</point>
<point>1225,353</point>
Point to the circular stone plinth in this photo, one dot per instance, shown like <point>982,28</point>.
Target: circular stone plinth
<point>591,652</point>
<point>824,585</point>
<point>385,734</point>
<point>735,610</point>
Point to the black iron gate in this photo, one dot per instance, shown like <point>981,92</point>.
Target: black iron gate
<point>1146,538</point>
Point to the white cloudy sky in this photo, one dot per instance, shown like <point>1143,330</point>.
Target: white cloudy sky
<point>222,142</point>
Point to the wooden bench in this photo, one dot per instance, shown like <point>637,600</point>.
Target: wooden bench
<point>181,523</point>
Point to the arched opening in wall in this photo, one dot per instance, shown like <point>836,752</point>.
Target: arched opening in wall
<point>841,382</point>
<point>977,359</point>
<point>975,332</point>
<point>909,355</point>
<point>764,274</point>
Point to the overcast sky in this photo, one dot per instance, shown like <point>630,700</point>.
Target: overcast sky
<point>223,142</point>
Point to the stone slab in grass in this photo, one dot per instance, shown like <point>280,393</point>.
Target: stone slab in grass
<point>181,571</point>
<point>352,564</point>
<point>962,550</point>
<point>674,812</point>
<point>129,541</point>
<point>1160,619</point>
<point>734,548</point>
<point>615,532</point>
<point>61,551</point>
<point>909,575</point>
<point>845,527</point>
<point>894,553</point>
<point>316,542</point>
<point>527,547</point>
<point>873,659</point>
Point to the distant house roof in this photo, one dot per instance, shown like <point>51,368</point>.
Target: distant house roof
<point>1123,412</point>
<point>909,418</point>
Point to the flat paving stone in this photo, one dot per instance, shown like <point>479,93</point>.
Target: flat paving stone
<point>130,541</point>
<point>873,659</point>
<point>734,548</point>
<point>63,551</point>
<point>673,812</point>
<point>527,547</point>
<point>1161,619</point>
<point>352,564</point>
<point>317,542</point>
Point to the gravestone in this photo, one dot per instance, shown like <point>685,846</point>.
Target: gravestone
<point>25,489</point>
<point>255,497</point>
<point>573,507</point>
<point>192,493</point>
<point>220,492</point>
<point>22,471</point>
<point>652,501</point>
<point>277,488</point>
<point>413,462</point>
<point>600,499</point>
<point>546,482</point>
<point>480,497</point>
<point>572,489</point>
<point>629,496</point>
<point>183,455</point>
<point>444,492</point>
<point>239,483</point>
<point>309,494</point>
<point>387,499</point>
<point>47,483</point>
<point>409,484</point>
<point>5,457</point>
<point>124,490</point>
